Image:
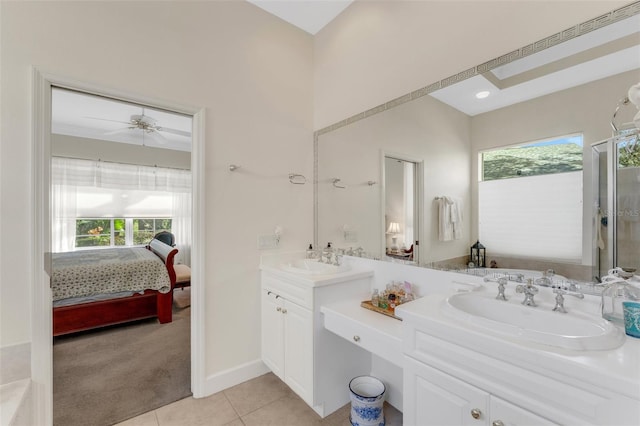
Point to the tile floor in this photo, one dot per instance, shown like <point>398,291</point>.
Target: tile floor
<point>262,401</point>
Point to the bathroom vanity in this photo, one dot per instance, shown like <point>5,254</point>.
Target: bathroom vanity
<point>312,361</point>
<point>458,373</point>
<point>526,365</point>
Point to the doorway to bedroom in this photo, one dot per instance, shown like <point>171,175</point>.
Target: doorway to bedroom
<point>120,175</point>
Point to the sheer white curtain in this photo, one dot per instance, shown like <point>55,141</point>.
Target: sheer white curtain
<point>86,188</point>
<point>181,225</point>
<point>64,206</point>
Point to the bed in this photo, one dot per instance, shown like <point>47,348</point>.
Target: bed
<point>97,288</point>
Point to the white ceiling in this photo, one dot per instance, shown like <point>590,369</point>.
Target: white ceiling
<point>560,67</point>
<point>95,117</point>
<point>309,15</point>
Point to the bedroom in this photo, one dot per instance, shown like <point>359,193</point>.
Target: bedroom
<point>120,178</point>
<point>260,114</point>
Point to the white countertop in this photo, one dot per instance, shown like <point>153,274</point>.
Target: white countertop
<point>617,370</point>
<point>390,328</point>
<point>274,264</point>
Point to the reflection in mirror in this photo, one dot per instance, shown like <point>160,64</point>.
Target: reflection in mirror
<point>401,209</point>
<point>550,89</point>
<point>627,217</point>
<point>602,196</point>
<point>520,193</point>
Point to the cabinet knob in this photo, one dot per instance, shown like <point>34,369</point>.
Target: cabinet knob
<point>356,338</point>
<point>284,311</point>
<point>278,309</point>
<point>476,413</point>
<point>497,423</point>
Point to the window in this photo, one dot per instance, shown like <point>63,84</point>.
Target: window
<point>102,204</point>
<point>551,156</point>
<point>145,229</point>
<point>530,200</point>
<point>118,231</point>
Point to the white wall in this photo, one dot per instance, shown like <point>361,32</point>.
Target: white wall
<point>423,129</point>
<point>376,51</point>
<point>249,70</point>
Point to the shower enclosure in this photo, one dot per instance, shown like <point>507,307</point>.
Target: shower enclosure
<point>616,204</point>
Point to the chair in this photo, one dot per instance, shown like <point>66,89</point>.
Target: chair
<point>166,237</point>
<point>183,276</point>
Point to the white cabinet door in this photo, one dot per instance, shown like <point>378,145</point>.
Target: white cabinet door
<point>432,397</point>
<point>504,413</point>
<point>273,332</point>
<point>298,350</point>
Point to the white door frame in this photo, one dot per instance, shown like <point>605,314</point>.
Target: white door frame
<point>41,313</point>
<point>418,200</point>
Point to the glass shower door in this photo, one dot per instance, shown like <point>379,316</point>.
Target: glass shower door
<point>627,191</point>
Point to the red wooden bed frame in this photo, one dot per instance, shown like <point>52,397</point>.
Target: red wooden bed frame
<point>150,304</point>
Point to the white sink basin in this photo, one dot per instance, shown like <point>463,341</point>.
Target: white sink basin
<point>573,330</point>
<point>313,267</point>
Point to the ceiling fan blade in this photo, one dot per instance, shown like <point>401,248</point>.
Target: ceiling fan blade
<point>157,137</point>
<point>174,131</point>
<point>106,119</point>
<point>118,131</point>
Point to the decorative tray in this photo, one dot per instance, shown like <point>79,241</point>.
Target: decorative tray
<point>388,312</point>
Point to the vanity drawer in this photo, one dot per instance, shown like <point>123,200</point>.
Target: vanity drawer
<point>298,294</point>
<point>373,332</point>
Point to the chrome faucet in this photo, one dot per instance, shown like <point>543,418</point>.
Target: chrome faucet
<point>560,293</point>
<point>547,278</point>
<point>529,291</point>
<point>502,283</point>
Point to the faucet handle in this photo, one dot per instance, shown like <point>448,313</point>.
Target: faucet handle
<point>560,293</point>
<point>529,291</point>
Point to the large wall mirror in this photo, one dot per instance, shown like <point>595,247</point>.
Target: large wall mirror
<point>548,102</point>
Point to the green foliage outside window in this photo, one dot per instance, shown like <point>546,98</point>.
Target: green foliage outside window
<point>93,232</point>
<point>557,156</point>
<point>97,232</point>
<point>145,229</point>
<point>629,154</point>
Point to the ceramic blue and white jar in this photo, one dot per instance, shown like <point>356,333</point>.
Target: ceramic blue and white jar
<point>367,399</point>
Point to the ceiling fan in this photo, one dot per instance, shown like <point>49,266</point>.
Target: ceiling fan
<point>146,124</point>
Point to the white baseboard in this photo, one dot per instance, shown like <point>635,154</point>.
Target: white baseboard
<point>225,379</point>
<point>16,362</point>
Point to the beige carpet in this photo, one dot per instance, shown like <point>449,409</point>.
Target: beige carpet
<point>107,376</point>
<point>182,297</point>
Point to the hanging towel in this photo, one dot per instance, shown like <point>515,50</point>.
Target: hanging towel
<point>456,217</point>
<point>449,218</point>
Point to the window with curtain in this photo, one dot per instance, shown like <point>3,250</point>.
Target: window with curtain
<point>530,200</point>
<point>122,204</point>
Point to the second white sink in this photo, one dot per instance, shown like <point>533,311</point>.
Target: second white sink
<point>313,267</point>
<point>574,330</point>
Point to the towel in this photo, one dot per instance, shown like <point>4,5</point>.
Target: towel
<point>449,218</point>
